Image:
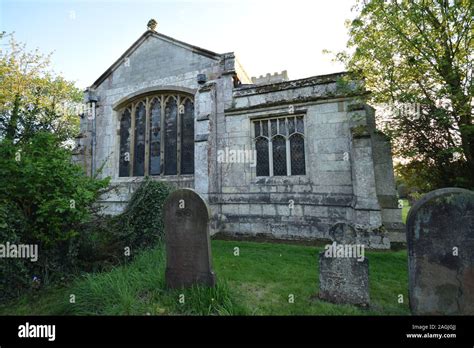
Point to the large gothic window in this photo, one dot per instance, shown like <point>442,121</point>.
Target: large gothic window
<point>157,136</point>
<point>279,143</point>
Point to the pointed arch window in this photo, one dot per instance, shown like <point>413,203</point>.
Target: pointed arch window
<point>279,143</point>
<point>157,136</point>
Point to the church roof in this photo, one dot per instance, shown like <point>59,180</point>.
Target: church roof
<point>141,39</point>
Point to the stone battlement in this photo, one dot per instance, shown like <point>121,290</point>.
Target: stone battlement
<point>269,78</point>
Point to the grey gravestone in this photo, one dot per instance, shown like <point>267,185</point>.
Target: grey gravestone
<point>440,237</point>
<point>188,249</point>
<point>344,279</point>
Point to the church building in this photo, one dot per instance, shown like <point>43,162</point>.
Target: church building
<point>274,158</point>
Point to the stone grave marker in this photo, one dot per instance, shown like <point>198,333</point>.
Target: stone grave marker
<point>343,268</point>
<point>440,238</point>
<point>188,249</point>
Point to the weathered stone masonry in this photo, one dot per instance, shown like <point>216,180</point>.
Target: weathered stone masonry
<point>348,175</point>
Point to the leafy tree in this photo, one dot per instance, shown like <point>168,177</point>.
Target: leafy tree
<point>420,53</point>
<point>45,199</point>
<point>32,98</point>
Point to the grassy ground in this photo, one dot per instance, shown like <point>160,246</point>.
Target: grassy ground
<point>257,282</point>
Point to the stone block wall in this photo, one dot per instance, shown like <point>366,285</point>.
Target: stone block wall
<point>349,176</point>
<point>340,180</point>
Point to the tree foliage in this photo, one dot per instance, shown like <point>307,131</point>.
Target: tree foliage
<point>420,53</point>
<point>32,97</point>
<point>44,197</point>
<point>44,200</point>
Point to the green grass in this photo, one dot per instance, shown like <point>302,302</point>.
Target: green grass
<point>258,282</point>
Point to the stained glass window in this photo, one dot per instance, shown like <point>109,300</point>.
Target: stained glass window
<point>187,137</point>
<point>171,135</point>
<point>139,153</point>
<point>125,124</point>
<point>156,119</point>
<point>155,136</point>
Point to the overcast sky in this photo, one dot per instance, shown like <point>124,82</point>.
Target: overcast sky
<point>266,35</point>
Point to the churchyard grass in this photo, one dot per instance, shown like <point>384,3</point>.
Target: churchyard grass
<point>262,280</point>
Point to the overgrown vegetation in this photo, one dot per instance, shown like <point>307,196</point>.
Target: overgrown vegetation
<point>258,282</point>
<point>44,199</point>
<point>106,239</point>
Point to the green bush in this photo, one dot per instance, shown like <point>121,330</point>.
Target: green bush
<point>139,227</point>
<point>44,200</point>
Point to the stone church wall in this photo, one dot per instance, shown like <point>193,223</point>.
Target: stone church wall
<point>349,175</point>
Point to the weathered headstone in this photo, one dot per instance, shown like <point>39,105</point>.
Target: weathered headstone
<point>440,237</point>
<point>188,249</point>
<point>343,268</point>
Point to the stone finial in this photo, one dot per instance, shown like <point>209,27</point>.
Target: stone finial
<point>152,24</point>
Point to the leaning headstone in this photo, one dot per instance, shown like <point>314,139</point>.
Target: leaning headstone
<point>343,268</point>
<point>440,238</point>
<point>188,249</point>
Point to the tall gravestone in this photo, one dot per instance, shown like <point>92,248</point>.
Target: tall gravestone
<point>440,237</point>
<point>343,268</point>
<point>188,249</point>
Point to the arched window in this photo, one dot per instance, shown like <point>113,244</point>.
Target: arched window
<point>171,136</point>
<point>125,124</point>
<point>279,155</point>
<point>162,140</point>
<point>187,136</point>
<point>261,145</point>
<point>155,137</point>
<point>140,129</point>
<point>279,143</point>
<point>297,154</point>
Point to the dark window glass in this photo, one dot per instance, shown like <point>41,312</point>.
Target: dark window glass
<point>139,160</point>
<point>291,125</point>
<point>274,127</point>
<point>297,155</point>
<point>187,138</point>
<point>257,129</point>
<point>282,126</point>
<point>171,128</point>
<point>263,168</point>
<point>124,163</point>
<point>299,124</point>
<point>265,128</point>
<point>155,137</point>
<point>279,156</point>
